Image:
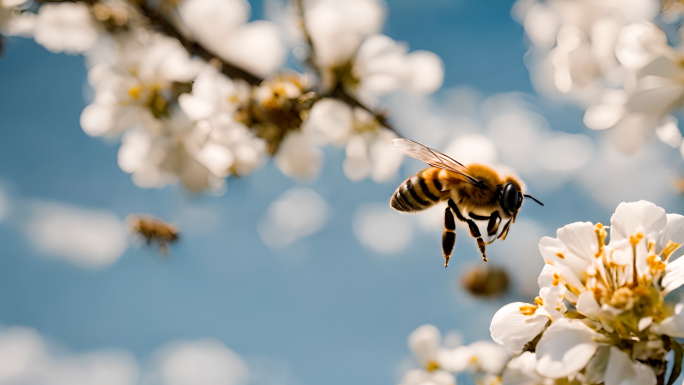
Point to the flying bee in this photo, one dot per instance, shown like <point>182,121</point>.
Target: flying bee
<point>487,202</point>
<point>154,230</point>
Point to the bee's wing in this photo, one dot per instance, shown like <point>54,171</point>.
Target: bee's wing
<point>434,158</point>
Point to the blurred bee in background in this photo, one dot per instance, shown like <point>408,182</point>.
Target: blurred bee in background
<point>154,230</point>
<point>487,202</point>
<point>485,281</point>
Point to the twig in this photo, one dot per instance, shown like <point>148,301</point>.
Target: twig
<point>195,48</point>
<point>338,92</point>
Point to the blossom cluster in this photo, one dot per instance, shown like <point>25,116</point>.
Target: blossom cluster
<point>197,93</point>
<point>440,360</point>
<point>601,315</point>
<point>612,57</point>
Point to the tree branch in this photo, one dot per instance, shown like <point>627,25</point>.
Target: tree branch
<point>338,92</point>
<point>194,48</point>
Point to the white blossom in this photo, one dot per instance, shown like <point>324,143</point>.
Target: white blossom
<point>133,88</point>
<point>576,40</point>
<point>222,26</point>
<point>617,291</point>
<point>655,91</point>
<point>368,145</point>
<point>337,28</point>
<point>65,27</point>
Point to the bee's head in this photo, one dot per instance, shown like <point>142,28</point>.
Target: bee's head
<point>511,198</point>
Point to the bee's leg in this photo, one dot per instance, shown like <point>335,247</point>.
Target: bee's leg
<point>456,211</point>
<point>475,232</point>
<point>494,222</point>
<point>163,247</point>
<point>449,235</point>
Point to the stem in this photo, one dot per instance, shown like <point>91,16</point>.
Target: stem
<point>195,48</point>
<point>338,92</point>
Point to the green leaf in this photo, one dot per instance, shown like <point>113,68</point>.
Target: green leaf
<point>677,365</point>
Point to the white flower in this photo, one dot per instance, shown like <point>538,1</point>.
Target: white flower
<point>12,23</point>
<point>522,370</point>
<point>65,27</point>
<point>617,291</point>
<point>221,25</point>
<point>383,65</point>
<point>576,41</point>
<point>424,377</point>
<point>368,145</point>
<point>657,90</point>
<point>480,356</point>
<point>426,345</point>
<point>299,157</point>
<point>134,88</point>
<point>337,28</point>
<point>175,152</point>
<point>224,145</point>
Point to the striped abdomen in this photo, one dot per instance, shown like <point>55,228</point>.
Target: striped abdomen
<point>419,192</point>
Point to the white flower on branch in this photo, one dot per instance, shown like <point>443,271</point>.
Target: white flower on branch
<point>136,86</point>
<point>575,41</point>
<point>221,25</point>
<point>601,312</point>
<point>337,28</point>
<point>657,90</point>
<point>368,145</point>
<point>175,151</point>
<point>484,359</point>
<point>383,65</point>
<point>226,145</point>
<point>65,27</point>
<point>13,23</point>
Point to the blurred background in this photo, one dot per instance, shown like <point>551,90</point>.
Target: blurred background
<point>301,282</point>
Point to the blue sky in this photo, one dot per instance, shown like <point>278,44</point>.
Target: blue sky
<point>325,308</point>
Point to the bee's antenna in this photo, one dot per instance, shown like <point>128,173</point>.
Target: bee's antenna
<point>533,198</point>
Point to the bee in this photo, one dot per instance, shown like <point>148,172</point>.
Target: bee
<point>487,202</point>
<point>485,281</point>
<point>154,230</point>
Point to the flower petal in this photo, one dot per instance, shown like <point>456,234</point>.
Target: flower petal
<point>565,348</point>
<point>513,330</point>
<point>621,370</point>
<point>425,342</point>
<point>631,218</point>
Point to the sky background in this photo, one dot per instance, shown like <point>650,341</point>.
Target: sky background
<point>324,310</point>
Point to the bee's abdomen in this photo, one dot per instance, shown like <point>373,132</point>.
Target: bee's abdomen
<point>417,193</point>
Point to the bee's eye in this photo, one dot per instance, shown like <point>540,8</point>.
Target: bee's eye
<point>510,198</point>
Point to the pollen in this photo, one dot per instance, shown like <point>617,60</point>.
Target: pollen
<point>600,231</point>
<point>431,366</point>
<point>556,279</point>
<point>528,310</point>
<point>473,360</point>
<point>635,239</point>
<point>539,301</point>
<point>134,92</point>
<point>560,255</point>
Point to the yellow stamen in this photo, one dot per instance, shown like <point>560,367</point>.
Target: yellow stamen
<point>134,92</point>
<point>539,301</point>
<point>556,279</point>
<point>431,366</point>
<point>528,309</point>
<point>560,255</point>
<point>669,249</point>
<point>601,233</point>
